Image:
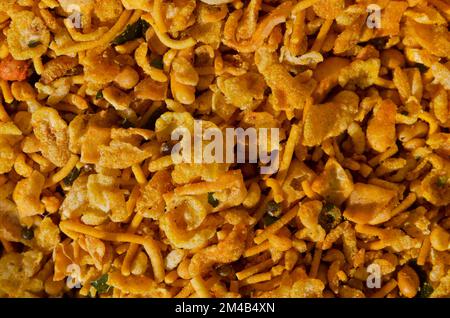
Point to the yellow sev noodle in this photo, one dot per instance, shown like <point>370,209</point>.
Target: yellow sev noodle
<point>262,208</point>
<point>316,261</point>
<point>3,114</point>
<point>432,122</point>
<point>131,204</point>
<point>122,248</point>
<point>105,39</point>
<point>256,249</point>
<point>64,172</point>
<point>6,91</point>
<point>137,219</point>
<point>83,37</point>
<point>158,16</point>
<point>128,260</point>
<point>200,287</point>
<point>150,246</point>
<point>136,16</point>
<point>263,30</point>
<point>37,63</point>
<point>409,200</point>
<point>140,56</point>
<point>250,271</point>
<point>386,289</point>
<point>304,4</point>
<point>424,251</point>
<point>324,29</point>
<point>257,278</point>
<point>293,139</point>
<point>7,245</point>
<point>165,39</point>
<point>274,227</point>
<point>276,188</point>
<point>171,277</point>
<point>139,174</point>
<point>185,292</point>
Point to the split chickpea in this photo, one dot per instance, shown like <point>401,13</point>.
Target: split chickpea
<point>408,282</point>
<point>440,239</point>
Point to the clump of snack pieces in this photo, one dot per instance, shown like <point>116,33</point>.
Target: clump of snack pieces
<point>92,203</point>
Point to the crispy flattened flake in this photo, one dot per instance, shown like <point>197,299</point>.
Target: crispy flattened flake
<point>229,189</point>
<point>434,38</point>
<point>174,225</point>
<point>381,126</point>
<point>107,10</point>
<point>132,136</point>
<point>143,5</point>
<point>328,9</point>
<point>327,75</point>
<point>441,74</point>
<point>330,119</point>
<point>360,73</point>
<point>61,262</point>
<point>16,274</point>
<point>151,203</point>
<point>151,89</point>
<point>180,14</point>
<point>76,199</point>
<point>94,137</point>
<point>353,18</point>
<point>370,204</point>
<point>52,132</point>
<point>425,15</point>
<point>226,251</point>
<point>249,20</point>
<point>7,156</point>
<point>245,92</point>
<point>77,129</point>
<point>95,248</point>
<point>309,216</point>
<point>289,92</point>
<point>307,288</point>
<point>139,285</point>
<point>100,69</point>
<point>121,155</point>
<point>397,240</point>
<point>207,33</point>
<point>390,18</point>
<point>169,121</point>
<point>443,289</point>
<point>184,173</point>
<point>184,72</point>
<point>440,142</point>
<point>47,235</point>
<point>435,188</point>
<point>10,228</point>
<point>104,194</point>
<point>334,184</point>
<point>27,36</point>
<point>119,99</point>
<point>57,68</point>
<point>9,128</point>
<point>27,195</point>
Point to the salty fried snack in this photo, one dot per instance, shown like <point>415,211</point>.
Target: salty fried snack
<point>91,197</point>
